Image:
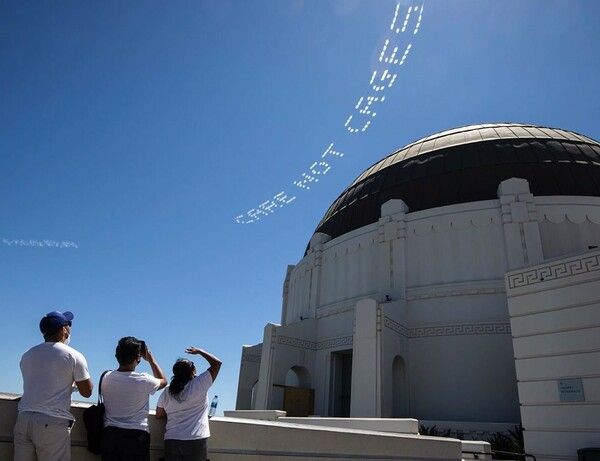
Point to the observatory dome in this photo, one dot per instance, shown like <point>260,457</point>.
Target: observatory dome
<point>466,165</point>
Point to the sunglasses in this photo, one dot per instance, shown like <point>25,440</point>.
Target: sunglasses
<point>68,324</point>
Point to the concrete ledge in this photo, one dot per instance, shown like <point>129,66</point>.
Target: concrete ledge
<point>399,425</point>
<point>473,449</point>
<point>264,415</point>
<point>237,439</point>
<point>244,439</point>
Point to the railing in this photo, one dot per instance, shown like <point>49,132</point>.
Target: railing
<point>498,452</point>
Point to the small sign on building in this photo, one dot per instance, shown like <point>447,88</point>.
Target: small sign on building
<point>570,390</point>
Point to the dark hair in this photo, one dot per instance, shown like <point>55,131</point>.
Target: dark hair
<point>182,374</point>
<point>128,350</point>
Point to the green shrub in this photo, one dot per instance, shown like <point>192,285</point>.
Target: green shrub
<point>432,431</point>
<point>513,443</point>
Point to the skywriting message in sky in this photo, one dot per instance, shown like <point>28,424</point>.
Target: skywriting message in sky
<point>39,243</point>
<point>396,48</point>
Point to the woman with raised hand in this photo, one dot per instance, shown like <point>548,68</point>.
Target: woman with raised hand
<point>184,404</point>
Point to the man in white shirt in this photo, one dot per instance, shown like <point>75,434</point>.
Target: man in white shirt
<point>126,435</point>
<point>43,428</point>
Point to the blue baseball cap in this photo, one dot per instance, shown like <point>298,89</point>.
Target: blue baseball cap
<point>54,321</point>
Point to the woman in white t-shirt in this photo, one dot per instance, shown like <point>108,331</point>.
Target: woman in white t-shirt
<point>184,404</point>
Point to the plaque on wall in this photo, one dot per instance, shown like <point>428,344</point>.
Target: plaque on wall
<point>570,390</point>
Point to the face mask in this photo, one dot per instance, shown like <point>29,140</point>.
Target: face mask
<point>67,340</point>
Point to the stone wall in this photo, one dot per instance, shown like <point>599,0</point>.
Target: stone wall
<point>555,320</point>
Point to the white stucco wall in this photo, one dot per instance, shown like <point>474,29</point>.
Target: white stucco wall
<point>568,224</point>
<point>249,372</point>
<point>452,245</point>
<point>437,280</point>
<point>555,318</point>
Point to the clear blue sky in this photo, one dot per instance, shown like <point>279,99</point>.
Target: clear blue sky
<point>140,130</point>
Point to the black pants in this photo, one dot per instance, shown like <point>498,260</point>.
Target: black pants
<point>125,444</point>
<point>186,450</point>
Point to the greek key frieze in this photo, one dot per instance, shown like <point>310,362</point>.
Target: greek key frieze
<point>310,345</point>
<point>335,342</point>
<point>295,342</point>
<point>448,330</point>
<point>555,271</point>
<point>462,330</point>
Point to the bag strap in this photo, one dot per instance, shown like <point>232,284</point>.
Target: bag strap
<point>100,396</point>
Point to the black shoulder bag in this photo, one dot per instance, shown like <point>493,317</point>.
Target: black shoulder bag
<point>93,419</point>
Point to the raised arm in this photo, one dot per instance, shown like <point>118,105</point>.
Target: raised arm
<point>214,362</point>
<point>156,370</point>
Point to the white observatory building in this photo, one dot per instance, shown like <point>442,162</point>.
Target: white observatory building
<point>457,280</point>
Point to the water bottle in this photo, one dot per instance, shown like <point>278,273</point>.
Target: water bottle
<point>213,406</point>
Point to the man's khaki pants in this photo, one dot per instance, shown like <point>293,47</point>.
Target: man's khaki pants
<point>39,437</point>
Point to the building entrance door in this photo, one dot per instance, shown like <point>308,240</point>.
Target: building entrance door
<point>298,401</point>
<point>341,383</point>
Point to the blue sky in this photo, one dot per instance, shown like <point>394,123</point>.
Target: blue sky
<point>139,131</point>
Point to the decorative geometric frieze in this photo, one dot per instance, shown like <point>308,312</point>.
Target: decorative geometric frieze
<point>448,330</point>
<point>395,326</point>
<point>335,342</point>
<point>295,342</point>
<point>558,209</point>
<point>462,330</point>
<point>554,271</point>
<point>444,330</point>
<point>251,358</point>
<point>310,345</point>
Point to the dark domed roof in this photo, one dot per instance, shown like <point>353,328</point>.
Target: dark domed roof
<point>466,165</point>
